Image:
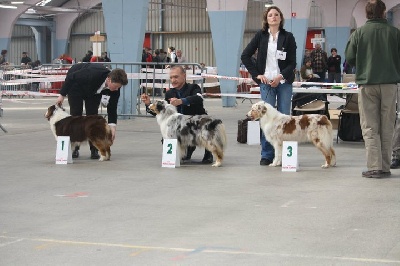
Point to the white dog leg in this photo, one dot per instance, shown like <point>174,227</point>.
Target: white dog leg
<point>278,156</point>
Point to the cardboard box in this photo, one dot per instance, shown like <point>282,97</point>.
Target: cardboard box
<point>334,114</point>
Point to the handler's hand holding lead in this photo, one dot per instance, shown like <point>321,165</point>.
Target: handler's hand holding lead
<point>145,98</point>
<point>175,101</point>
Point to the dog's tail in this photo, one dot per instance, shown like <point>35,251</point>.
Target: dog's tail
<point>109,134</point>
<point>220,134</point>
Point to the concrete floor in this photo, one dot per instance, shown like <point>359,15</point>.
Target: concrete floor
<point>130,211</point>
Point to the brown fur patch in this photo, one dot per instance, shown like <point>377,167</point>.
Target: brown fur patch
<point>304,122</point>
<point>153,108</point>
<point>323,121</point>
<point>290,127</point>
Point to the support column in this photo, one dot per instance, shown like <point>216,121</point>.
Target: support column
<point>227,20</point>
<point>125,22</point>
<point>41,44</point>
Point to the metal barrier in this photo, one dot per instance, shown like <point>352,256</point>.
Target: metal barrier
<point>151,78</point>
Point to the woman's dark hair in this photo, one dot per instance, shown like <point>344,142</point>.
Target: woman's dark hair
<point>333,49</point>
<point>375,9</point>
<point>265,25</point>
<point>3,52</point>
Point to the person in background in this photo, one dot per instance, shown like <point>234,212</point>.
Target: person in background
<point>25,58</point>
<point>306,56</point>
<point>319,61</point>
<point>3,59</point>
<point>274,68</point>
<point>105,57</point>
<point>188,101</point>
<point>163,56</point>
<point>307,73</point>
<point>334,63</point>
<point>66,59</point>
<point>172,55</point>
<point>395,164</point>
<point>91,84</point>
<point>181,58</point>
<point>96,59</point>
<point>87,56</point>
<point>374,49</point>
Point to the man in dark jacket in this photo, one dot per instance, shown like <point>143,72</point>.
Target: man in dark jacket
<point>92,84</point>
<point>188,101</point>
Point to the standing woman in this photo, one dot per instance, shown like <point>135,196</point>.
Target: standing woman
<point>274,68</point>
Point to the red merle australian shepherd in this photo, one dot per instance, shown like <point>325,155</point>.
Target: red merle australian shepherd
<point>278,127</point>
<point>81,128</point>
<point>197,130</point>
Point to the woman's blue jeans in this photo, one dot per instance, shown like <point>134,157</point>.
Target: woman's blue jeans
<point>280,97</point>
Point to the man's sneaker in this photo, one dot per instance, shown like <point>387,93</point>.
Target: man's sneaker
<point>395,164</point>
<point>376,174</point>
<point>75,154</point>
<point>95,155</point>
<point>265,161</point>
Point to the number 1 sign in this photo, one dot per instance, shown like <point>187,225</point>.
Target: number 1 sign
<point>171,156</point>
<point>63,152</point>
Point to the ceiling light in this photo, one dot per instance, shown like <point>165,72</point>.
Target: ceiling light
<point>269,3</point>
<point>7,6</point>
<point>30,11</point>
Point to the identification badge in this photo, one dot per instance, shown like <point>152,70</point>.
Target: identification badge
<point>104,100</point>
<point>280,55</point>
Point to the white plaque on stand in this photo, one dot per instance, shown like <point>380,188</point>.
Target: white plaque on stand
<point>63,152</point>
<point>290,161</point>
<point>253,132</point>
<point>171,155</point>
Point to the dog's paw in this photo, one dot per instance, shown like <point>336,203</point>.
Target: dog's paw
<point>217,164</point>
<point>325,165</point>
<point>102,158</point>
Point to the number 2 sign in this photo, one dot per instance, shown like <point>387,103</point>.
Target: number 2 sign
<point>171,156</point>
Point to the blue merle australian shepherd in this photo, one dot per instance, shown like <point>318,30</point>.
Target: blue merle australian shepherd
<point>197,130</point>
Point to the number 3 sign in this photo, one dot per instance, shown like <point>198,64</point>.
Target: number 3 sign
<point>289,156</point>
<point>171,156</point>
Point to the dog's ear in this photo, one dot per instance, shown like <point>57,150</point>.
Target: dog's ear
<point>262,107</point>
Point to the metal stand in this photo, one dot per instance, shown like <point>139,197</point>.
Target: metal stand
<point>5,131</point>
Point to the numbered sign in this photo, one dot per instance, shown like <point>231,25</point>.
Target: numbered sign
<point>63,152</point>
<point>253,133</point>
<point>289,156</point>
<point>171,155</point>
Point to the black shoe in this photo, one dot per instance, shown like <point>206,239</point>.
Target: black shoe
<point>207,160</point>
<point>95,155</point>
<point>265,161</point>
<point>395,164</point>
<point>75,154</point>
<point>186,158</point>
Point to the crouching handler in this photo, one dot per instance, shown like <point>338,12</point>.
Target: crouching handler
<point>92,84</point>
<point>188,101</point>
